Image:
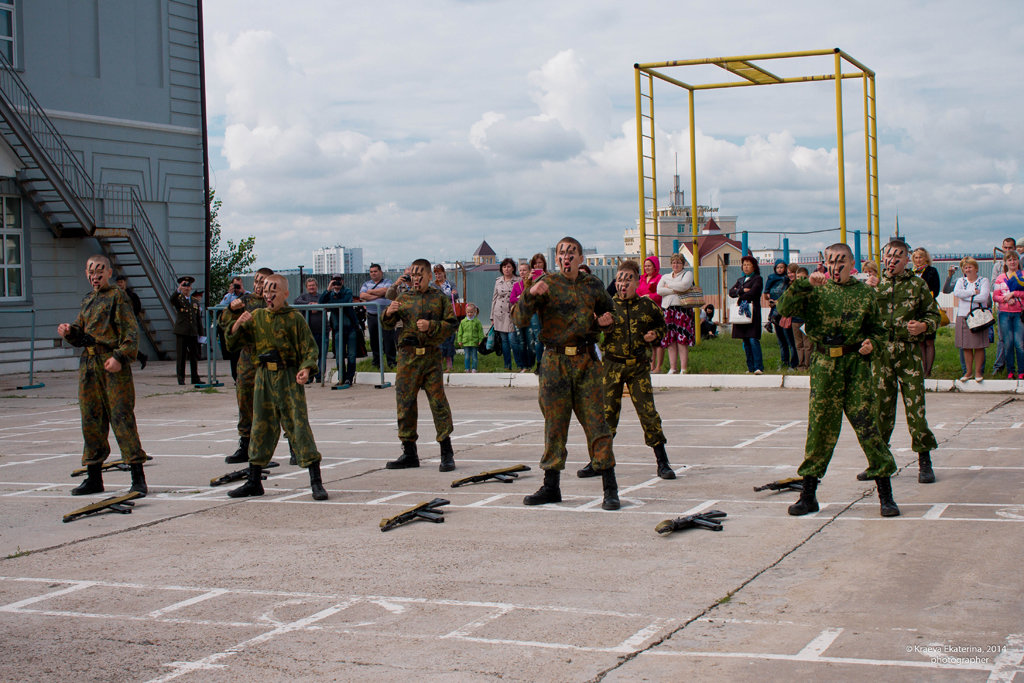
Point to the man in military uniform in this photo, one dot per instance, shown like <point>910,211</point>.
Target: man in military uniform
<point>109,336</point>
<point>908,314</point>
<point>427,318</point>
<point>568,304</point>
<point>285,354</point>
<point>841,317</point>
<point>245,383</point>
<point>186,329</point>
<point>626,356</point>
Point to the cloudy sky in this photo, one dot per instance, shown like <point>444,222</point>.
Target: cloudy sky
<point>420,128</point>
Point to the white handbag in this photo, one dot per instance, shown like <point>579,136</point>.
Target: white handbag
<point>979,318</point>
<point>736,317</point>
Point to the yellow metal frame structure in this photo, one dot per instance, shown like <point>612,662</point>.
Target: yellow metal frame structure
<point>750,74</point>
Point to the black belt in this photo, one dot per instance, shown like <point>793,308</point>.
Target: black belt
<point>97,350</point>
<point>418,350</point>
<point>837,351</point>
<point>623,359</point>
<point>576,350</point>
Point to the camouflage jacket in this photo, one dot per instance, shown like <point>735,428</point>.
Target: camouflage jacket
<point>904,298</point>
<point>107,315</point>
<point>431,305</point>
<point>250,302</point>
<point>567,310</point>
<point>835,314</point>
<point>634,318</point>
<point>284,330</point>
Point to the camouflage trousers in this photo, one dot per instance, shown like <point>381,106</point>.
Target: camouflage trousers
<point>843,385</point>
<point>279,402</point>
<point>636,376</point>
<point>107,399</point>
<point>245,384</point>
<point>573,384</point>
<point>415,373</point>
<point>899,368</point>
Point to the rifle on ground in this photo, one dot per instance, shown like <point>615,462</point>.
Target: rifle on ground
<point>505,475</point>
<point>791,484</point>
<point>428,511</point>
<point>239,475</point>
<point>702,520</point>
<point>119,465</point>
<point>122,504</point>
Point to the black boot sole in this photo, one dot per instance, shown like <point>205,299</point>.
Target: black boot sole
<point>587,473</point>
<point>667,474</point>
<point>540,498</point>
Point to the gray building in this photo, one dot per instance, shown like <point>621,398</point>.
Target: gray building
<point>102,149</point>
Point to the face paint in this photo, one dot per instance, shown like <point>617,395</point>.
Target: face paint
<point>98,273</point>
<point>569,259</point>
<point>625,284</point>
<point>272,295</point>
<point>420,281</point>
<point>838,265</point>
<point>257,284</point>
<point>895,260</point>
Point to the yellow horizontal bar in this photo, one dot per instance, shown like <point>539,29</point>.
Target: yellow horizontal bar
<point>715,60</point>
<point>854,62</point>
<point>795,79</point>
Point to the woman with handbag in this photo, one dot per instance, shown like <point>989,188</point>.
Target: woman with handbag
<point>501,311</point>
<point>678,317</point>
<point>649,287</point>
<point>1008,293</point>
<point>748,291</point>
<point>774,287</point>
<point>973,295</point>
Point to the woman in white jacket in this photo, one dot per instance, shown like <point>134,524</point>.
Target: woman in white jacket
<point>679,320</point>
<point>971,291</point>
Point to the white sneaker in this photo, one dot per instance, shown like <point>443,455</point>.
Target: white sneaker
<point>758,372</point>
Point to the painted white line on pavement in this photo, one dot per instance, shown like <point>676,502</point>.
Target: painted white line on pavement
<point>765,435</point>
<point>186,603</point>
<point>1007,663</point>
<point>76,586</point>
<point>958,666</point>
<point>935,511</point>
<point>485,501</point>
<point>821,643</point>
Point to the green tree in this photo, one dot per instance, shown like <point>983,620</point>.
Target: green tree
<point>234,258</point>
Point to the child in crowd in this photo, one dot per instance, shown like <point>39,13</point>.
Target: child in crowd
<point>470,334</point>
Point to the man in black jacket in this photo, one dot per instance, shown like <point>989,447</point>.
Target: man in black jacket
<point>122,282</point>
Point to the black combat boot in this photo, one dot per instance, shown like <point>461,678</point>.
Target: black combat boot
<point>408,458</point>
<point>253,485</point>
<point>548,492</point>
<point>925,473</point>
<point>93,482</point>
<point>242,454</point>
<point>315,483</point>
<point>665,470</point>
<point>863,476</point>
<point>807,502</point>
<point>447,456</point>
<point>292,460</point>
<point>138,480</point>
<point>587,472</point>
<point>889,508</point>
<point>611,490</point>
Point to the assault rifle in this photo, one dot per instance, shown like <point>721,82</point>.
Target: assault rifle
<point>119,465</point>
<point>506,475</point>
<point>702,520</point>
<point>428,511</point>
<point>791,484</point>
<point>239,475</point>
<point>122,504</point>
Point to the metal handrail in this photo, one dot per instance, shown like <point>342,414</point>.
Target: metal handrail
<point>31,349</point>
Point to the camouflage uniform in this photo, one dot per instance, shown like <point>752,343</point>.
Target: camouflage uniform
<point>839,316</point>
<point>278,400</point>
<point>419,358</point>
<point>107,399</point>
<point>570,383</point>
<point>903,298</point>
<point>627,361</point>
<point>245,382</point>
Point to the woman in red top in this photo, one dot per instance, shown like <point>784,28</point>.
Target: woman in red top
<point>649,287</point>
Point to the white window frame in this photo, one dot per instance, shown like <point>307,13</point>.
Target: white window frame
<point>11,205</point>
<point>12,40</point>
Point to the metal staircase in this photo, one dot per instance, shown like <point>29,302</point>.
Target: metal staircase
<point>57,184</point>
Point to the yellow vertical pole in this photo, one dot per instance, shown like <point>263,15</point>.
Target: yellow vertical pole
<point>640,163</point>
<point>867,173</point>
<point>874,169</point>
<point>839,148</point>
<point>695,230</point>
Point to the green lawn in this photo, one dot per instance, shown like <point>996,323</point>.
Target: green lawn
<point>724,356</point>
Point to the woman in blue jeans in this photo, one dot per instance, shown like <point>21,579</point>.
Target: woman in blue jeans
<point>748,289</point>
<point>1008,294</point>
<point>501,310</point>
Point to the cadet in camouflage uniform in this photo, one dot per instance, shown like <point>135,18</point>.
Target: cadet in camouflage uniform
<point>909,313</point>
<point>842,319</point>
<point>626,356</point>
<point>109,334</point>
<point>569,303</point>
<point>245,381</point>
<point>427,318</point>
<point>285,354</point>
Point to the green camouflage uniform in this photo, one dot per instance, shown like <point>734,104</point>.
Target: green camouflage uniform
<point>245,368</point>
<point>278,400</point>
<point>570,383</point>
<point>107,399</point>
<point>419,358</point>
<point>899,367</point>
<point>838,315</point>
<point>627,361</point>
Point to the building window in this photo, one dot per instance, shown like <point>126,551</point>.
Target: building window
<point>7,24</point>
<point>12,269</point>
